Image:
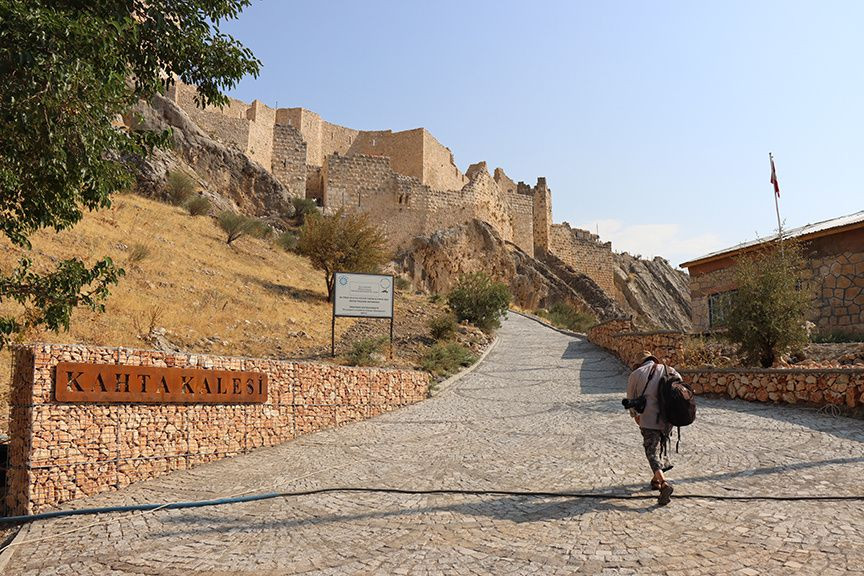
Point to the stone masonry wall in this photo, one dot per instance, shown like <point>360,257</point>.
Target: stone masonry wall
<point>585,253</point>
<point>779,385</point>
<point>289,159</point>
<point>439,169</point>
<point>621,338</point>
<point>835,276</point>
<point>405,149</point>
<point>262,121</point>
<point>702,286</point>
<point>228,125</point>
<point>63,451</point>
<point>814,386</point>
<point>521,209</point>
<point>542,224</point>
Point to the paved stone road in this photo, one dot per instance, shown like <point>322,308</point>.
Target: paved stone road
<point>542,413</point>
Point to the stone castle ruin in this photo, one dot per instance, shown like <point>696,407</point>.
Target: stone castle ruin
<point>406,180</point>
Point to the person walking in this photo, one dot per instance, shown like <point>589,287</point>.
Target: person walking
<point>644,381</point>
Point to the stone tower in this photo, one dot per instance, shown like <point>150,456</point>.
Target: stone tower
<point>542,216</point>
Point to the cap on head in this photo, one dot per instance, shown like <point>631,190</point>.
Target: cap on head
<point>646,356</point>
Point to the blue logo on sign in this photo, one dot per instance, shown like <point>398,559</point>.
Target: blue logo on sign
<point>343,280</point>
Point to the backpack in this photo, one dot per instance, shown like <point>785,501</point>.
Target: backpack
<point>677,402</point>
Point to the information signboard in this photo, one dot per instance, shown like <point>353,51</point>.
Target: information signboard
<point>363,295</point>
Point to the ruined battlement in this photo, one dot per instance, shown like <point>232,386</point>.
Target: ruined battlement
<point>407,180</point>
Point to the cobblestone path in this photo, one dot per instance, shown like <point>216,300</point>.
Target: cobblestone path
<point>541,413</point>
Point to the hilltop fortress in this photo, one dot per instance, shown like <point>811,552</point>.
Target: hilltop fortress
<point>406,180</point>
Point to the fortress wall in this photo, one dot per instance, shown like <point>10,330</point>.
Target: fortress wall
<point>522,217</point>
<point>350,179</point>
<point>405,149</point>
<point>488,203</point>
<point>261,133</point>
<point>335,139</point>
<point>584,252</point>
<point>227,125</point>
<point>289,159</point>
<point>505,184</point>
<point>542,198</point>
<point>401,205</point>
<point>439,171</point>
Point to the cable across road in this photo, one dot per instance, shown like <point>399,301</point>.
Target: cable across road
<point>423,492</point>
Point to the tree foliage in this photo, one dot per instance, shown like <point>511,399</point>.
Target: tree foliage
<point>768,312</point>
<point>479,300</point>
<point>237,225</point>
<point>341,242</point>
<point>70,68</point>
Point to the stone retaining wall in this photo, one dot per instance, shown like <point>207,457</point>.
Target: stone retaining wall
<point>59,452</point>
<point>814,386</point>
<point>820,386</point>
<point>621,338</point>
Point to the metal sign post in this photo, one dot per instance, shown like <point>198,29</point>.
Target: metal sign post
<point>362,296</point>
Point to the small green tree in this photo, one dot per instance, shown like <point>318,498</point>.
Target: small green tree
<point>479,300</point>
<point>238,225</point>
<point>302,208</point>
<point>767,313</point>
<point>341,242</point>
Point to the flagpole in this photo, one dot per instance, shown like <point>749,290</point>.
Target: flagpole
<point>776,198</point>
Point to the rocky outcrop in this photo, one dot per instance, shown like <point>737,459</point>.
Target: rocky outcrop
<point>654,293</point>
<point>436,262</point>
<point>226,175</point>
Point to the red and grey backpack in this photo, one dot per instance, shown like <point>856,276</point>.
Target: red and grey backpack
<point>677,402</point>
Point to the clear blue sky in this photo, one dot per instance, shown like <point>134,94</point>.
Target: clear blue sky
<point>650,120</point>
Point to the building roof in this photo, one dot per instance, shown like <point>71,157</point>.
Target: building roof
<point>806,232</point>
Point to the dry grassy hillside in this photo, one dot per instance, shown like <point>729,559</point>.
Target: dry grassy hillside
<point>249,299</point>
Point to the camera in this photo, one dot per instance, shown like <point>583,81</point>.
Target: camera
<point>637,404</point>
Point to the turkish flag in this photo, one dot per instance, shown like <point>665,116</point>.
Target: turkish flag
<point>774,180</point>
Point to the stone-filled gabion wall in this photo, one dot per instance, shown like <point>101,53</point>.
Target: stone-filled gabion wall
<point>59,452</point>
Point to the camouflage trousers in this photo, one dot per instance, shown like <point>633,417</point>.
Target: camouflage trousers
<point>655,443</point>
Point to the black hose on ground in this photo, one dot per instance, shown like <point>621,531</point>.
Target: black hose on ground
<point>455,492</point>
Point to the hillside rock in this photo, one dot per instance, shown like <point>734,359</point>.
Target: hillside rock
<point>227,176</point>
<point>436,262</point>
<point>654,293</point>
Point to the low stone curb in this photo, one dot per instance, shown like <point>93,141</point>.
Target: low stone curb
<point>448,383</point>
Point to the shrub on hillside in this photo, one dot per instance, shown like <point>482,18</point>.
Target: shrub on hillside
<point>342,242</point>
<point>303,207</point>
<point>768,312</point>
<point>566,316</point>
<point>237,225</point>
<point>198,206</point>
<point>287,240</point>
<point>401,284</point>
<point>443,327</point>
<point>444,359</point>
<point>479,300</point>
<point>138,252</point>
<point>180,187</point>
<point>366,352</point>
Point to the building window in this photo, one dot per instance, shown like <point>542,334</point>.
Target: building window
<point>718,308</point>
